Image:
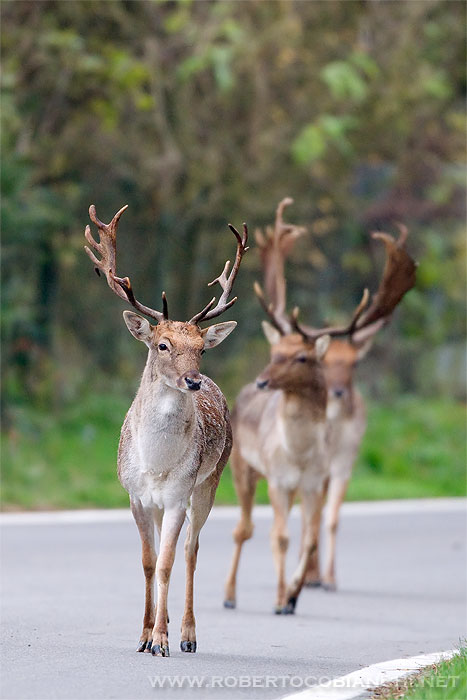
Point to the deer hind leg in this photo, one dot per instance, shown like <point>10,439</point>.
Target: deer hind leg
<point>172,522</point>
<point>313,575</point>
<point>144,519</point>
<point>245,479</point>
<point>337,491</point>
<point>311,509</point>
<point>201,504</point>
<point>281,501</point>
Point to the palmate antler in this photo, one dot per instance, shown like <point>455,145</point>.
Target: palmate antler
<point>274,245</point>
<point>107,249</point>
<point>398,278</point>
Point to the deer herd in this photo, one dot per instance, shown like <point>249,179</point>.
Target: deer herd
<point>299,425</point>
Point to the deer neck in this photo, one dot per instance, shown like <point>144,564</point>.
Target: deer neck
<point>170,408</point>
<point>339,410</point>
<point>302,420</point>
<point>308,404</point>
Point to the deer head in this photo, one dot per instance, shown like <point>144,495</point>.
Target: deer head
<point>175,347</point>
<point>295,364</point>
<point>339,348</point>
<point>339,367</point>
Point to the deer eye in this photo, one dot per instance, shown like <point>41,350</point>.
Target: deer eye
<point>301,358</point>
<point>162,346</point>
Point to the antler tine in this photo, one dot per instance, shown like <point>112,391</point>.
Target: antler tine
<point>225,280</point>
<point>107,249</point>
<point>269,309</point>
<point>165,307</point>
<point>295,324</point>
<point>286,202</point>
<point>275,244</point>
<point>285,235</point>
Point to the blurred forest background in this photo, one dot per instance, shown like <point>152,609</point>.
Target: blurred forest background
<point>200,113</point>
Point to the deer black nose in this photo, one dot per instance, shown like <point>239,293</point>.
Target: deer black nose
<point>193,384</point>
<point>338,393</point>
<point>261,384</point>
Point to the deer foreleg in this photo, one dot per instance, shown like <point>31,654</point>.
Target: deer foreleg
<point>337,491</point>
<point>201,504</point>
<point>172,522</point>
<point>312,504</point>
<point>144,519</point>
<point>245,484</point>
<point>281,502</point>
<point>313,576</point>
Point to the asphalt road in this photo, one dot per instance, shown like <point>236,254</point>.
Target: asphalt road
<point>72,602</point>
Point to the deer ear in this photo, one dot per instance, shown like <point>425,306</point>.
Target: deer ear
<point>363,340</point>
<point>216,334</point>
<point>363,348</point>
<point>272,334</point>
<point>138,326</point>
<point>321,346</point>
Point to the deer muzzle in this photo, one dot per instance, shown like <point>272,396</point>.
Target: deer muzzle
<point>192,381</point>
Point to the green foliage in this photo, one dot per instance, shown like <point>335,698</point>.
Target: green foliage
<point>65,462</point>
<point>196,114</point>
<point>309,145</point>
<point>344,81</point>
<point>412,449</point>
<point>315,139</point>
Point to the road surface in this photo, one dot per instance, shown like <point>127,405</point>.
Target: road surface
<point>72,603</point>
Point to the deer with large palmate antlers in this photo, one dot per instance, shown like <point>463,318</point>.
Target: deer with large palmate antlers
<point>176,437</point>
<point>346,412</point>
<point>281,428</point>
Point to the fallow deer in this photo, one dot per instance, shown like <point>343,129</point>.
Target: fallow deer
<point>176,437</point>
<point>346,412</point>
<point>346,419</point>
<point>282,434</point>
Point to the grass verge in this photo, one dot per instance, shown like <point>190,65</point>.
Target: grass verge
<point>413,448</point>
<point>444,681</point>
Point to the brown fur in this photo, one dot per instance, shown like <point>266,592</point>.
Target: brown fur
<point>346,427</point>
<point>279,434</point>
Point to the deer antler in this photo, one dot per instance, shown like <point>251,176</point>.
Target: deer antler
<point>225,280</point>
<point>277,321</point>
<point>334,331</point>
<point>398,277</point>
<point>107,248</point>
<point>274,247</point>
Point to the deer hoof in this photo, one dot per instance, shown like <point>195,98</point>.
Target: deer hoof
<point>145,640</point>
<point>188,646</point>
<point>313,583</point>
<point>288,609</point>
<point>229,604</point>
<point>158,650</point>
<point>330,587</point>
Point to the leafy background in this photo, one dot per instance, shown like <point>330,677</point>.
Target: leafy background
<point>200,113</point>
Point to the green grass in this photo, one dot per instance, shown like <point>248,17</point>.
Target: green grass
<point>413,448</point>
<point>445,681</point>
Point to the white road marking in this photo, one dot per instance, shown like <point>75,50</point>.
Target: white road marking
<point>354,684</point>
<point>352,509</point>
